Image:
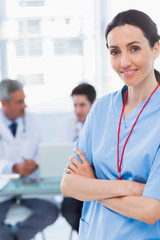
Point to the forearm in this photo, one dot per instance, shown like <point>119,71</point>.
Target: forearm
<point>87,189</point>
<point>137,207</point>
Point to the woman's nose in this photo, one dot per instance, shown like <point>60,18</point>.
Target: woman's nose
<point>125,60</point>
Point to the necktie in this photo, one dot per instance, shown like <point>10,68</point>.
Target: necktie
<point>13,128</point>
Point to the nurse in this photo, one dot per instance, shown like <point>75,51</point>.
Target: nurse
<point>116,165</point>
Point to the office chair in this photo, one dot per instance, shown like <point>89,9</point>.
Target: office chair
<point>70,235</point>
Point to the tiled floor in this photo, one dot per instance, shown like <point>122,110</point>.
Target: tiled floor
<point>60,230</point>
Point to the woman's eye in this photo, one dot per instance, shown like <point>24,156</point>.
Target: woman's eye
<point>135,48</point>
<point>114,52</point>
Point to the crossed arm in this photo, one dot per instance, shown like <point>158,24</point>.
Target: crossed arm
<point>123,197</point>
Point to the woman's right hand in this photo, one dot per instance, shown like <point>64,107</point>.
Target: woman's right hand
<point>83,168</point>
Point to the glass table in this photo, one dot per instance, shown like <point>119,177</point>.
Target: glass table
<point>21,187</point>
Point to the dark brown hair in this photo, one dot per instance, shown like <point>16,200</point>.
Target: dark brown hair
<point>140,20</point>
<point>85,89</point>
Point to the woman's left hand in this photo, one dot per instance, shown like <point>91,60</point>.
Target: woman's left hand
<point>75,167</point>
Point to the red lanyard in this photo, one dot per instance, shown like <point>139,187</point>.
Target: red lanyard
<point>119,127</point>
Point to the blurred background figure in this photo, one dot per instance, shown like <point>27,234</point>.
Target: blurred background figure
<point>83,97</point>
<point>70,128</point>
<point>20,136</point>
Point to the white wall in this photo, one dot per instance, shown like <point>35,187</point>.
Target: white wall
<point>115,6</point>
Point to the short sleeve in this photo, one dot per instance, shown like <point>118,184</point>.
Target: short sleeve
<point>152,187</point>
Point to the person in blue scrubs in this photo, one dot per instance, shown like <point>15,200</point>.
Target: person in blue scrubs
<point>116,165</point>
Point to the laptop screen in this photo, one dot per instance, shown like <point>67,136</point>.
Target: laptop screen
<point>53,158</point>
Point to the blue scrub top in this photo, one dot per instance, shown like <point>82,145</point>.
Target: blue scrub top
<point>141,163</point>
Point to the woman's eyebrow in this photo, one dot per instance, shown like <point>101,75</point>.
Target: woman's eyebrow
<point>112,46</point>
<point>129,44</point>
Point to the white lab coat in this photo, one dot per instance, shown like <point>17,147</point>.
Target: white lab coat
<point>23,146</point>
<point>69,129</point>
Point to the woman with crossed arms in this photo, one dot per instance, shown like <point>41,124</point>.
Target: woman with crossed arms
<point>116,165</point>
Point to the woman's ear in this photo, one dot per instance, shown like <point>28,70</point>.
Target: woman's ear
<point>156,49</point>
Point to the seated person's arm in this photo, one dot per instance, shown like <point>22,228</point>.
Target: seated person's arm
<point>25,168</point>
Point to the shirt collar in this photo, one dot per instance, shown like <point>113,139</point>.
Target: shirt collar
<point>6,120</point>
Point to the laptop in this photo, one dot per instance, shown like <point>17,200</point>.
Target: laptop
<point>53,158</point>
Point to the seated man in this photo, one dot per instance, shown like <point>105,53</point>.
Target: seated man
<point>20,136</point>
<point>83,97</point>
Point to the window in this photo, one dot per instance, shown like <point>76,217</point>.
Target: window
<point>48,45</point>
<point>28,47</point>
<point>30,3</point>
<point>60,43</point>
<point>29,26</point>
<point>68,47</point>
<point>31,79</point>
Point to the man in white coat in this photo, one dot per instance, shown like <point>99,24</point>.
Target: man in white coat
<point>20,136</point>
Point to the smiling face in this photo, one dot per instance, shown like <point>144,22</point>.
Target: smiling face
<point>131,56</point>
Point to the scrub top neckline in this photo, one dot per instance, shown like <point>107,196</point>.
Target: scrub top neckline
<point>128,121</point>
